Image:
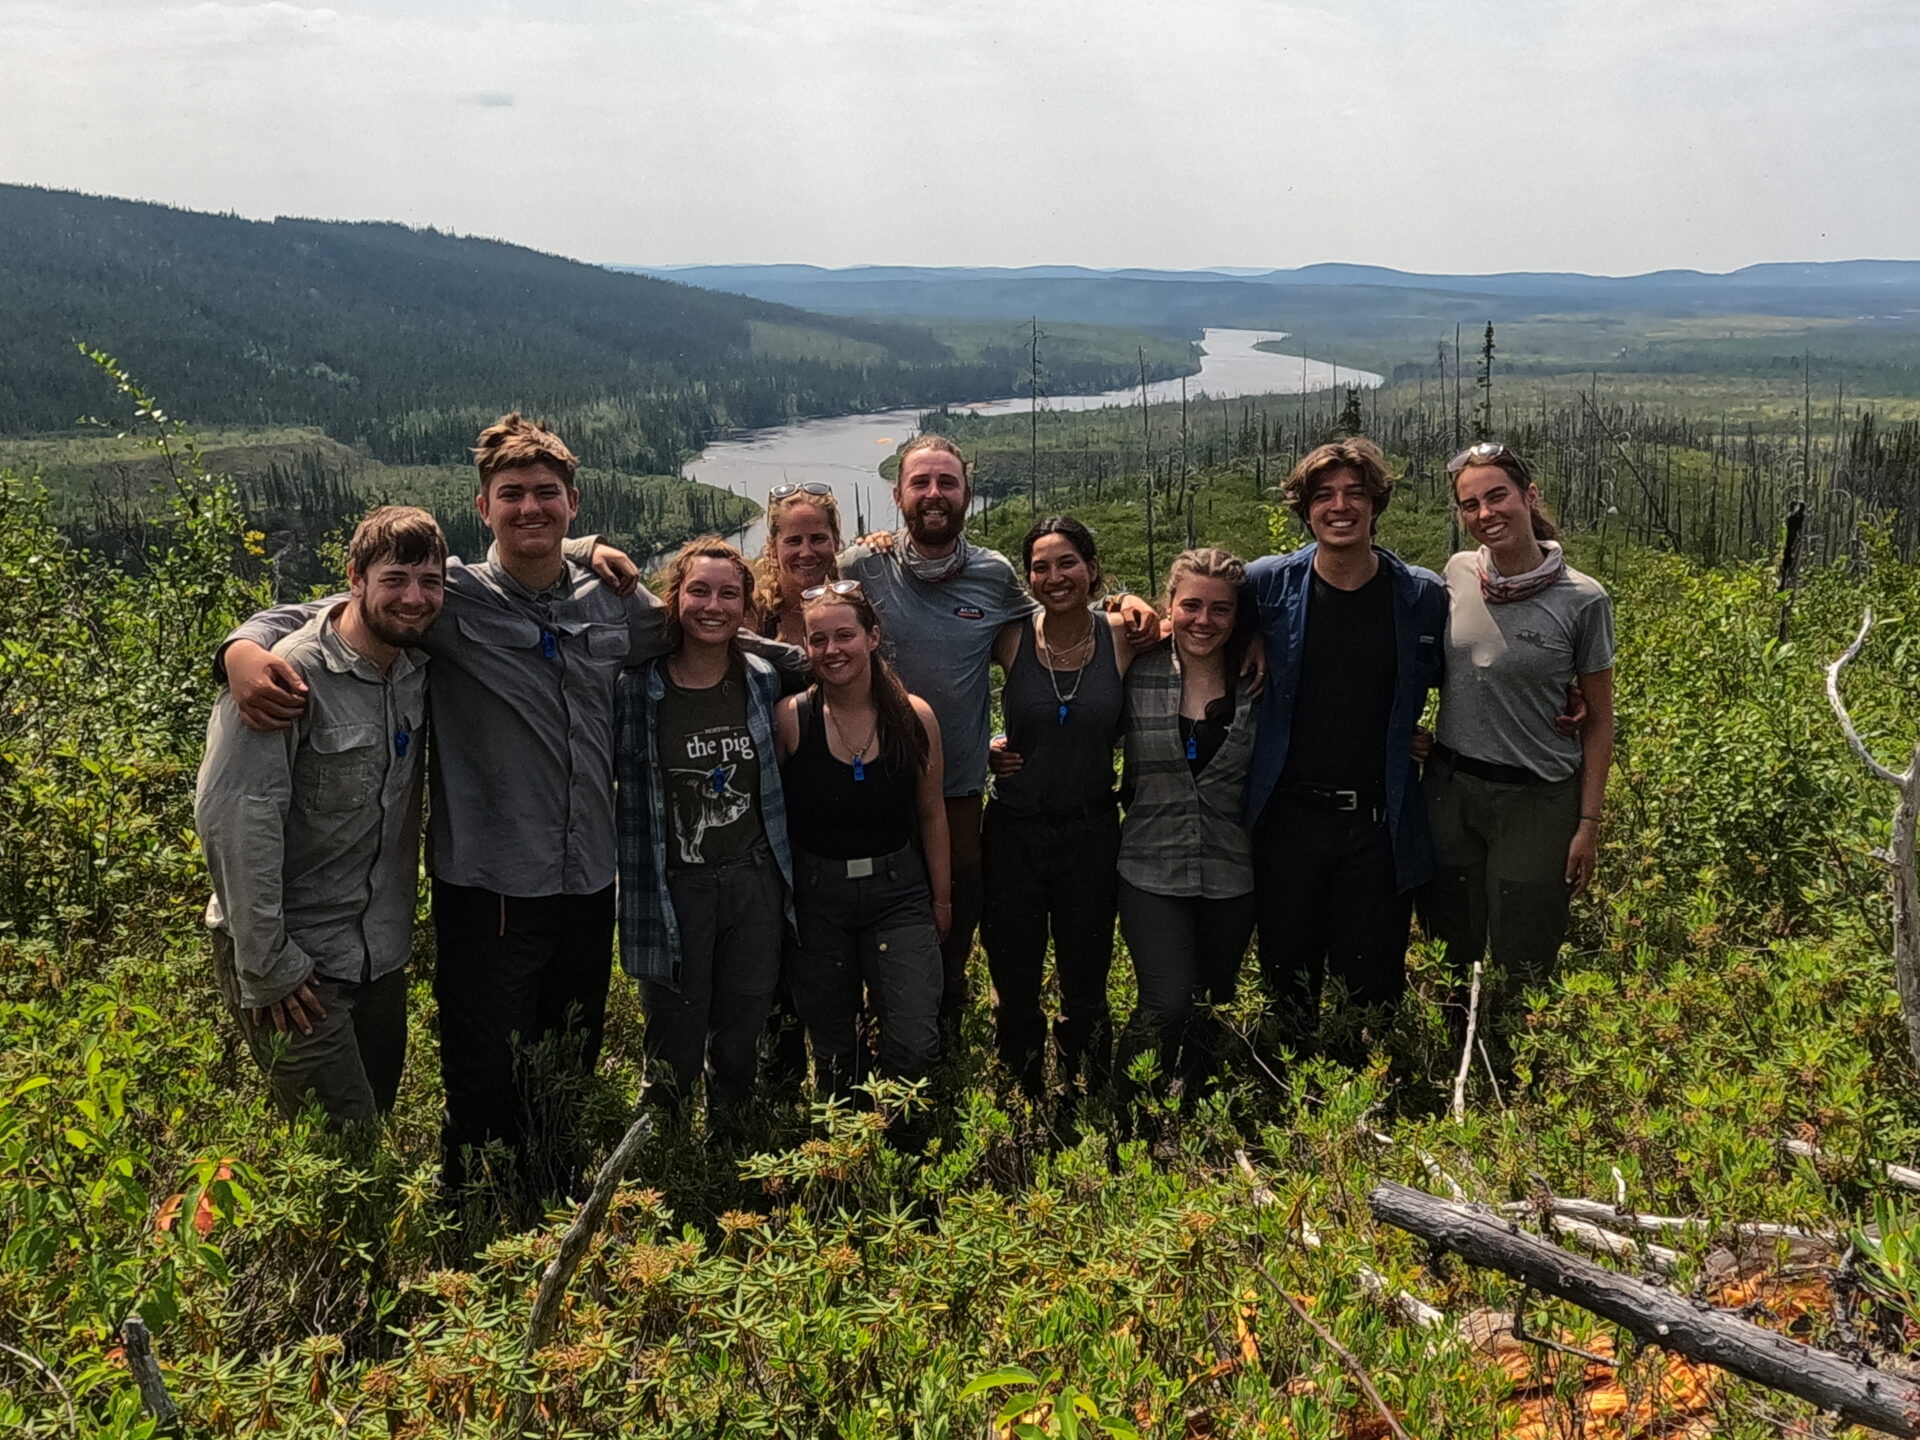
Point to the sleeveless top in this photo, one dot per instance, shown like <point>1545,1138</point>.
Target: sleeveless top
<point>1068,762</point>
<point>834,816</point>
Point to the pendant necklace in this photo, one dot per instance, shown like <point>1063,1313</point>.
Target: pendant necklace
<point>1047,656</point>
<point>860,750</point>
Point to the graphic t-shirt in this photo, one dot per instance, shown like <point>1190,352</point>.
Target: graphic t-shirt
<point>709,770</point>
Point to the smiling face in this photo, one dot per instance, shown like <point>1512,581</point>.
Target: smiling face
<point>1340,512</point>
<point>712,601</point>
<point>398,603</point>
<point>840,647</point>
<point>932,495</point>
<point>528,508</point>
<point>804,545</point>
<point>1495,507</point>
<point>1060,579</point>
<point>1203,610</point>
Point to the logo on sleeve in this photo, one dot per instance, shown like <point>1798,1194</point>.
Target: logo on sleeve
<point>969,612</point>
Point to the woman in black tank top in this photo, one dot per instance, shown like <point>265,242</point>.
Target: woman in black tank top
<point>861,771</point>
<point>1050,839</point>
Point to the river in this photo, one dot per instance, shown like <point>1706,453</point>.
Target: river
<point>845,451</point>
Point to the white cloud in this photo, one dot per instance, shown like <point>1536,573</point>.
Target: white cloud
<point>1486,135</point>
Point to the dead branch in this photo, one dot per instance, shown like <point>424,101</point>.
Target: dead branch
<point>1904,1176</point>
<point>1656,1316</point>
<point>138,1343</point>
<point>1466,1050</point>
<point>1840,706</point>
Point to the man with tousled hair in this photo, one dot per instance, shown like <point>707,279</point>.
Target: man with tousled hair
<point>312,834</point>
<point>1354,643</point>
<point>522,844</point>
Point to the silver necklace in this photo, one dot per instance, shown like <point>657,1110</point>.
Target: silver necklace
<point>859,751</point>
<point>1053,673</point>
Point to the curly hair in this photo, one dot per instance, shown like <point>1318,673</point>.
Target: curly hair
<point>766,565</point>
<point>706,547</point>
<point>1323,462</point>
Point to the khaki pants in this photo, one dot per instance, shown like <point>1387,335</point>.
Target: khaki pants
<point>350,1064</point>
<point>1499,884</point>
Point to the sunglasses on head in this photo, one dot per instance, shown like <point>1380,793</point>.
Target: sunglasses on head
<point>834,587</point>
<point>801,487</point>
<point>1487,452</point>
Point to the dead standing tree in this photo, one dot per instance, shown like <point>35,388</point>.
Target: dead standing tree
<point>1900,854</point>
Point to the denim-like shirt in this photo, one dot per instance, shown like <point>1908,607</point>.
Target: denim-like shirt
<point>1282,586</point>
<point>649,930</point>
<point>312,834</point>
<point>521,764</point>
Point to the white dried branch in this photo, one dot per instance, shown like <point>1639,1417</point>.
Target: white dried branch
<point>1840,706</point>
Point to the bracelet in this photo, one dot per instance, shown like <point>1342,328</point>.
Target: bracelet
<point>1594,818</point>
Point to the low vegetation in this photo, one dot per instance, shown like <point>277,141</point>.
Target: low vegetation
<point>1031,1274</point>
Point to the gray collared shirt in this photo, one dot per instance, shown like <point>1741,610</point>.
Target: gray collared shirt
<point>523,691</point>
<point>312,834</point>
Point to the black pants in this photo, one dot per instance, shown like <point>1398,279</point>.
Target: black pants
<point>1050,876</point>
<point>1185,949</point>
<point>733,922</point>
<point>514,974</point>
<point>1329,905</point>
<point>870,933</point>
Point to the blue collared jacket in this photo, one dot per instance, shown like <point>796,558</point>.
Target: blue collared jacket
<point>649,932</point>
<point>1282,586</point>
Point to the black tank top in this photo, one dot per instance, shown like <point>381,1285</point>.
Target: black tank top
<point>833,815</point>
<point>1068,760</point>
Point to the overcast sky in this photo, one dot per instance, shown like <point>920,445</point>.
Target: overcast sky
<point>1610,136</point>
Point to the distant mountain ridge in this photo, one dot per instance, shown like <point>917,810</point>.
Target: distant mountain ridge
<point>404,341</point>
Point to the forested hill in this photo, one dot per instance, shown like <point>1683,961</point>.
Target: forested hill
<point>405,341</point>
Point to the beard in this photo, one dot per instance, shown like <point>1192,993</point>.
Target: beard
<point>389,630</point>
<point>933,522</point>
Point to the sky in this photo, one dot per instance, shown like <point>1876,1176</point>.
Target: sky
<point>1608,136</point>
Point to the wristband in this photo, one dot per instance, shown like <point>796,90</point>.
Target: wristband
<point>1594,818</point>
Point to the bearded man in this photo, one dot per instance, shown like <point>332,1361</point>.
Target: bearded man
<point>941,602</point>
<point>312,834</point>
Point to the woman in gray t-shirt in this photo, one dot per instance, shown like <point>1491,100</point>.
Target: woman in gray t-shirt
<point>1514,803</point>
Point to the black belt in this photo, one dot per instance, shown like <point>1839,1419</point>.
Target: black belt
<point>1060,814</point>
<point>1486,769</point>
<point>1331,797</point>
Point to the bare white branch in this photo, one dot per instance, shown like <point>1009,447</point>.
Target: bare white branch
<point>1840,706</point>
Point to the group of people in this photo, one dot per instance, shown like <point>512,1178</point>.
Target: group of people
<point>769,782</point>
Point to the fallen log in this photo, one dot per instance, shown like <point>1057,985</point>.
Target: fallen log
<point>1656,1316</point>
<point>1905,1176</point>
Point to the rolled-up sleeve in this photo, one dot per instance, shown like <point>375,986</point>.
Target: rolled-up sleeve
<point>270,627</point>
<point>240,809</point>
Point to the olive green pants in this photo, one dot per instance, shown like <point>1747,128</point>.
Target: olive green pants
<point>1499,887</point>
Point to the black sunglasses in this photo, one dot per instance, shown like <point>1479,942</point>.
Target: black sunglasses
<point>802,487</point>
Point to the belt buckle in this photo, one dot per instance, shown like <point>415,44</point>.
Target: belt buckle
<point>860,869</point>
<point>1346,799</point>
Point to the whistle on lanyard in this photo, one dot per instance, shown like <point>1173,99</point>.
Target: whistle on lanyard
<point>401,740</point>
<point>549,646</point>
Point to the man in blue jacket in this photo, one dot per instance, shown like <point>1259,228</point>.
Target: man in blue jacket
<point>1354,639</point>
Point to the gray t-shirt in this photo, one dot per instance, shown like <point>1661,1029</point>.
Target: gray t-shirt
<point>940,639</point>
<point>1508,667</point>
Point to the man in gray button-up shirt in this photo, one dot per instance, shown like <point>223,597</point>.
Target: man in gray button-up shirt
<point>522,830</point>
<point>312,834</point>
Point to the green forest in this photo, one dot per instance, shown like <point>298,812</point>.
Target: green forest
<point>1727,994</point>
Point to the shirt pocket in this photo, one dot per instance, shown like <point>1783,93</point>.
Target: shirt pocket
<point>607,644</point>
<point>1428,655</point>
<point>499,632</point>
<point>338,770</point>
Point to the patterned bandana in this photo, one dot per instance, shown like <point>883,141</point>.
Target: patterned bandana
<point>1504,590</point>
<point>933,571</point>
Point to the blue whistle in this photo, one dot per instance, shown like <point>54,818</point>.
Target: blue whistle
<point>719,778</point>
<point>401,739</point>
<point>1193,747</point>
<point>547,646</point>
<point>859,770</point>
<point>1063,713</point>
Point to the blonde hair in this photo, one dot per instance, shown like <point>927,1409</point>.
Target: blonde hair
<point>1209,563</point>
<point>766,566</point>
